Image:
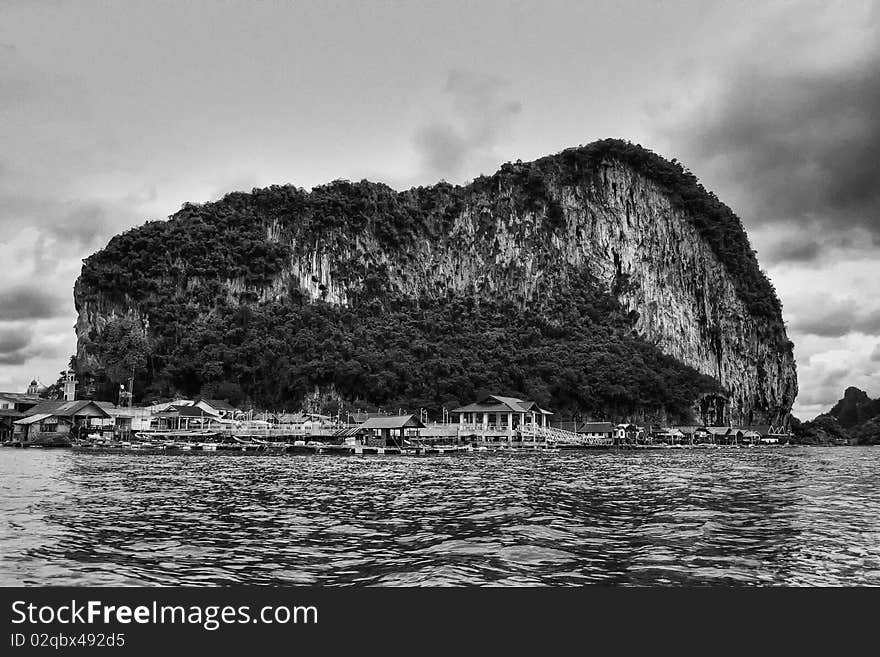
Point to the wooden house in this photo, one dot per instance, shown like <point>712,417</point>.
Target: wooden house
<point>496,420</point>
<point>218,407</point>
<point>596,430</point>
<point>503,413</point>
<point>391,430</point>
<point>13,406</point>
<point>53,422</point>
<point>626,433</point>
<point>185,418</point>
<point>668,436</point>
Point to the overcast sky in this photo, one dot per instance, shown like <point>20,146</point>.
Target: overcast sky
<point>115,113</point>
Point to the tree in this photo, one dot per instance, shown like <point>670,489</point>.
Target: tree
<point>125,349</point>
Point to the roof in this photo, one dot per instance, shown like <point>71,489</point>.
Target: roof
<point>161,406</point>
<point>718,431</point>
<point>192,411</point>
<point>33,419</point>
<point>565,425</point>
<point>393,422</point>
<point>219,404</point>
<point>497,403</point>
<point>10,412</point>
<point>21,398</point>
<point>596,427</point>
<point>347,432</point>
<point>63,408</point>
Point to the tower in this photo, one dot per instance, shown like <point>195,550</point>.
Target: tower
<point>69,385</point>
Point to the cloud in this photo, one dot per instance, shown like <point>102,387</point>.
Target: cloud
<point>14,343</point>
<point>875,355</point>
<point>481,117</point>
<point>836,318</point>
<point>829,365</point>
<point>77,223</point>
<point>798,135</point>
<point>799,250</point>
<point>24,342</point>
<point>13,339</point>
<point>30,300</point>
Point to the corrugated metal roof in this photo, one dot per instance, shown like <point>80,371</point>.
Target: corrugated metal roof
<point>219,404</point>
<point>503,405</point>
<point>33,419</point>
<point>66,408</point>
<point>194,411</point>
<point>393,422</point>
<point>21,398</point>
<point>347,432</point>
<point>596,427</point>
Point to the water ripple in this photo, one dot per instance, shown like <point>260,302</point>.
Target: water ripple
<point>747,517</point>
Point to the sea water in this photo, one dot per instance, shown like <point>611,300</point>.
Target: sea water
<point>760,516</point>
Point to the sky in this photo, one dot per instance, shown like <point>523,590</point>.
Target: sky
<point>115,113</point>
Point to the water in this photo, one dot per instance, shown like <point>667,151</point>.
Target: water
<point>797,516</point>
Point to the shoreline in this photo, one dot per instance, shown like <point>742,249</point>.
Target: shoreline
<point>349,450</point>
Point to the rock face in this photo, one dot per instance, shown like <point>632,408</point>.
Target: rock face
<point>855,408</point>
<point>519,234</point>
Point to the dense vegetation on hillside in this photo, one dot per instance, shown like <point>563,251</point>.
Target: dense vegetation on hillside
<point>423,353</point>
<point>227,239</point>
<point>855,408</point>
<point>574,351</point>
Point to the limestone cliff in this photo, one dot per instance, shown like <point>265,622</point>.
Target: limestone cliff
<point>664,247</point>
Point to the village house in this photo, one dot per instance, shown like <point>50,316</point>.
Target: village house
<point>495,412</point>
<point>186,418</point>
<point>626,433</point>
<point>498,419</point>
<point>736,436</point>
<point>566,425</point>
<point>164,406</point>
<point>218,407</point>
<point>688,432</point>
<point>13,406</point>
<point>301,424</point>
<point>53,422</point>
<point>124,420</point>
<point>669,436</point>
<point>390,430</point>
<point>17,401</point>
<point>603,430</point>
<point>439,434</point>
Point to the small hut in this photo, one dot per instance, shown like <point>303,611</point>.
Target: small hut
<point>391,430</point>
